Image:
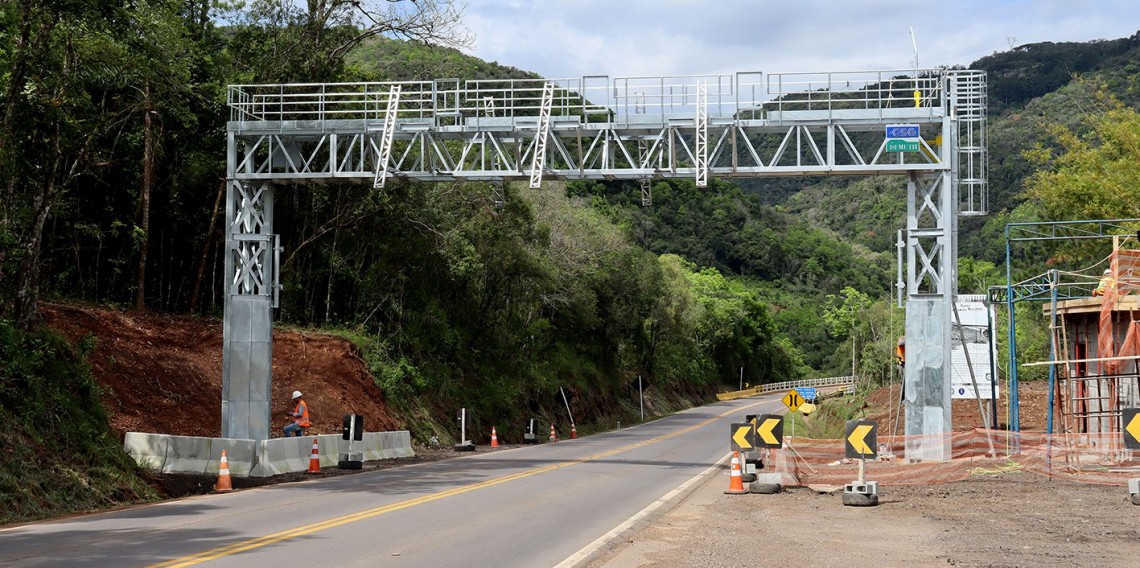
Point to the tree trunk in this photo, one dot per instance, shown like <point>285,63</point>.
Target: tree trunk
<point>144,196</point>
<point>28,290</point>
<point>206,248</point>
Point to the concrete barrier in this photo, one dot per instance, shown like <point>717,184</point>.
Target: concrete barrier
<point>188,454</point>
<point>240,456</point>
<point>148,450</point>
<point>282,455</point>
<point>264,458</point>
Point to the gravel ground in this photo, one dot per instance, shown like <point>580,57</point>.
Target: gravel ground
<point>1008,519</point>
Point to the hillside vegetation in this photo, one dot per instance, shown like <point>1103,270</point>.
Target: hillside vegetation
<point>498,299</point>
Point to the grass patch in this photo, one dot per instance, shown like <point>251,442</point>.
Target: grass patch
<point>60,454</point>
<point>829,421</point>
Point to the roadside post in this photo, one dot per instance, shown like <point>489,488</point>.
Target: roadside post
<point>530,432</point>
<point>352,429</point>
<point>1131,422</point>
<point>860,441</point>
<point>464,444</point>
<point>793,400</point>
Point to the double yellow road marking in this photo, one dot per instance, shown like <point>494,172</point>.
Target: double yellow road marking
<point>266,540</point>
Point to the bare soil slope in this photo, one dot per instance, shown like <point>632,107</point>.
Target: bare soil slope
<point>163,373</point>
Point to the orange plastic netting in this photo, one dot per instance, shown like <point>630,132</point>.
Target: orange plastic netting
<point>1091,458</point>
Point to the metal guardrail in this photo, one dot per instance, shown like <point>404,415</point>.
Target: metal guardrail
<point>786,385</point>
<point>824,382</point>
<point>744,95</point>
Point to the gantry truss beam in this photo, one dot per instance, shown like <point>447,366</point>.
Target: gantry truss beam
<point>742,125</point>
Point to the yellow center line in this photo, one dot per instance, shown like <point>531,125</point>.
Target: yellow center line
<point>266,540</point>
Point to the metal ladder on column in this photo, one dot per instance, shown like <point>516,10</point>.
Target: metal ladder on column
<point>702,137</point>
<point>384,152</point>
<point>540,138</point>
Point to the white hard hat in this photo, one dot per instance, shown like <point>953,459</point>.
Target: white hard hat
<point>1108,271</point>
<point>296,394</point>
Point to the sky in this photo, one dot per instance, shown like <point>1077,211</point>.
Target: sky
<point>624,38</point>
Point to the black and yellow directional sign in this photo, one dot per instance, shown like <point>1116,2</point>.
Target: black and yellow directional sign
<point>793,400</point>
<point>861,439</point>
<point>1131,428</point>
<point>770,431</point>
<point>743,437</point>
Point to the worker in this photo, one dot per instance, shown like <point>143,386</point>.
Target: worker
<point>300,416</point>
<point>1106,281</point>
<point>900,351</point>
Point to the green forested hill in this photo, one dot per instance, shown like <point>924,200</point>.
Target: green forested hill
<point>1030,87</point>
<point>391,60</point>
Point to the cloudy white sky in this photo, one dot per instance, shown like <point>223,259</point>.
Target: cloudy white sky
<point>572,38</point>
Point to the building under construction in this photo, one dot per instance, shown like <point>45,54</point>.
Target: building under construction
<point>1096,344</point>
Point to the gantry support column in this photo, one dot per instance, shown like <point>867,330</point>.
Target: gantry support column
<point>250,295</point>
<point>930,290</point>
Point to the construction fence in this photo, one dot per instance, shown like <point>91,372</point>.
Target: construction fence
<point>1088,458</point>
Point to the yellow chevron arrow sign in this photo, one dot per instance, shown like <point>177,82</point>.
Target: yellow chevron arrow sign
<point>743,438</point>
<point>861,439</point>
<point>770,431</point>
<point>1131,421</point>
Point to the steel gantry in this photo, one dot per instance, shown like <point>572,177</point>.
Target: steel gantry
<point>600,128</point>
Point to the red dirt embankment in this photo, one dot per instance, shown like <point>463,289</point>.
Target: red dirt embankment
<point>163,373</point>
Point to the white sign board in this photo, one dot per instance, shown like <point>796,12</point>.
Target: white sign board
<point>975,320</point>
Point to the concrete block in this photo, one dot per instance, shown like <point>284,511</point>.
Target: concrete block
<point>774,477</point>
<point>148,450</point>
<point>1134,486</point>
<point>240,456</point>
<point>867,488</point>
<point>188,454</point>
<point>282,455</point>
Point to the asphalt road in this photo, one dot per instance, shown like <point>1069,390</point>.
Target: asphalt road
<point>545,505</point>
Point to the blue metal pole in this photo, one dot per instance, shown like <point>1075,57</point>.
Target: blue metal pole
<point>1014,418</point>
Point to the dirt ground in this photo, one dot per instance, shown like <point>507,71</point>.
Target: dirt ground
<point>989,520</point>
<point>163,374</point>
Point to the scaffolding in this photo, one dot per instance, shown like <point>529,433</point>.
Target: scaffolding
<point>1094,333</point>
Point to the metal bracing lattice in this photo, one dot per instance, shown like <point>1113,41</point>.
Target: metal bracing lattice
<point>541,136</point>
<point>646,192</point>
<point>637,128</point>
<point>384,152</point>
<point>701,157</point>
<point>968,107</point>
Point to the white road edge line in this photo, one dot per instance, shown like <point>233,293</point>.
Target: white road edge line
<point>586,552</point>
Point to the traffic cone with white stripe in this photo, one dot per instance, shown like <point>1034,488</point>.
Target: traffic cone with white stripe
<point>553,435</point>
<point>224,482</point>
<point>573,431</point>
<point>735,483</point>
<point>315,459</point>
<point>494,438</point>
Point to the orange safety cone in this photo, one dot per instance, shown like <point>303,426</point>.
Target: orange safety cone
<point>224,483</point>
<point>573,431</point>
<point>315,459</point>
<point>553,435</point>
<point>494,438</point>
<point>735,483</point>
